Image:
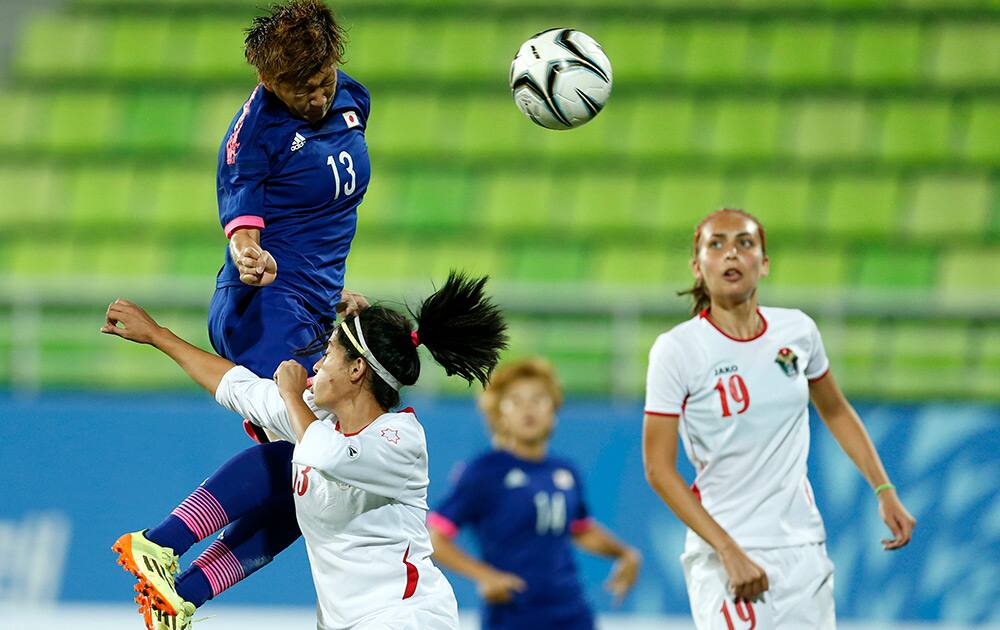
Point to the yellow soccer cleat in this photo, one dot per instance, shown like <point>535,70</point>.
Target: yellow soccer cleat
<point>154,566</point>
<point>180,621</point>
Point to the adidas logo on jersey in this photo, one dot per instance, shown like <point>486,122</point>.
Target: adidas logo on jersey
<point>298,142</point>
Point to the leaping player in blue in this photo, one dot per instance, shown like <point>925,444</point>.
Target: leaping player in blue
<point>293,167</point>
<point>527,511</point>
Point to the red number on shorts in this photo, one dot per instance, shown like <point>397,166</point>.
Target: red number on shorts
<point>744,611</point>
<point>301,484</point>
<point>738,390</point>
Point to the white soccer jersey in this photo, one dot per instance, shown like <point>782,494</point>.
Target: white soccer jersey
<point>361,502</point>
<point>744,422</point>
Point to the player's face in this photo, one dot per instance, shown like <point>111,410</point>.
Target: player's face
<point>527,412</point>
<point>730,259</point>
<point>332,376</point>
<point>312,99</point>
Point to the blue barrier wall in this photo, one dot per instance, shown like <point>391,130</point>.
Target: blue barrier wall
<point>76,470</point>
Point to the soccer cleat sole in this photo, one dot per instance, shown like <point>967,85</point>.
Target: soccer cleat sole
<point>123,548</point>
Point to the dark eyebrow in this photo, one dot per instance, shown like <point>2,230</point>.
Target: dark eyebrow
<point>725,234</point>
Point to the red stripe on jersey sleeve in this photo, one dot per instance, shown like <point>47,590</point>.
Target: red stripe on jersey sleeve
<point>245,221</point>
<point>820,377</point>
<point>660,413</point>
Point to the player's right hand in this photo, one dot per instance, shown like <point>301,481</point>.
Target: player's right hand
<point>256,266</point>
<point>129,321</point>
<point>499,587</point>
<point>747,580</point>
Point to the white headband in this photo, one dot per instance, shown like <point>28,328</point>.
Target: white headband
<point>362,348</point>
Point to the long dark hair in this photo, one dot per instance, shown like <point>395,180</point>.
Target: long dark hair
<point>700,299</point>
<point>460,325</point>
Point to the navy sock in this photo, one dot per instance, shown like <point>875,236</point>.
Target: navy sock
<point>249,480</point>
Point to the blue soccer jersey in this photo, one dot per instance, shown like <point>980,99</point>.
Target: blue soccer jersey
<point>523,514</point>
<point>301,184</point>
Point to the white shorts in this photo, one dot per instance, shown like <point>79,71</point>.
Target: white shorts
<point>799,595</point>
<point>431,612</point>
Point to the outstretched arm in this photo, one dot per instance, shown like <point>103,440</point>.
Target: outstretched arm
<point>599,541</point>
<point>845,425</point>
<point>130,321</point>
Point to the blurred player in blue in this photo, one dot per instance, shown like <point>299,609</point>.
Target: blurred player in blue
<point>293,167</point>
<point>527,509</point>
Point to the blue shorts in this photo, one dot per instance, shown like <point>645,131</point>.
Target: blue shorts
<point>574,616</point>
<point>259,327</point>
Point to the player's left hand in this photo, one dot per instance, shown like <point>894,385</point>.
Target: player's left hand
<point>130,321</point>
<point>899,521</point>
<point>291,378</point>
<point>351,303</point>
<point>623,575</point>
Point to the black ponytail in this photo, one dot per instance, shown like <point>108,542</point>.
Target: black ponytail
<point>460,325</point>
<point>462,328</point>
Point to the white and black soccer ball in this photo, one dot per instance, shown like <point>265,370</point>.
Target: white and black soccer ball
<point>560,78</point>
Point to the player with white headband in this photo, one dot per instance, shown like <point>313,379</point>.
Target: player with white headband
<point>360,469</point>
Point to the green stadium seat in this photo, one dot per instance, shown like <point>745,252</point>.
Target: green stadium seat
<point>214,112</point>
<point>781,202</point>
<point>83,46</point>
<point>210,48</point>
<point>199,258</point>
<point>643,51</point>
<point>987,374</point>
<point>466,50</point>
<point>161,122</point>
<point>549,263</point>
<point>104,197</point>
<point>863,206</point>
<point>379,260</point>
<point>473,255</point>
<point>857,354</point>
<point>814,268</point>
<point>951,206</point>
<point>520,203</point>
<point>801,52</point>
<point>887,53</point>
<point>921,369</point>
<point>120,257</point>
<point>660,126</point>
<point>969,272</point>
<point>746,129</point>
<point>24,115</point>
<point>916,131</point>
<point>381,205</point>
<point>717,51</point>
<point>47,256</point>
<point>967,54</point>
<point>489,126</point>
<point>595,139</point>
<point>186,200</point>
<point>636,267</point>
<point>380,47</point>
<point>435,201</point>
<point>982,132</point>
<point>138,48</point>
<point>895,269</point>
<point>600,204</point>
<point>410,125</point>
<point>684,200</point>
<point>82,121</point>
<point>827,129</point>
<point>31,196</point>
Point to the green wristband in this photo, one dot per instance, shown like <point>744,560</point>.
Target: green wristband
<point>884,486</point>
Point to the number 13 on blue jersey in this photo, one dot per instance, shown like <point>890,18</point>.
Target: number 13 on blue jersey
<point>348,163</point>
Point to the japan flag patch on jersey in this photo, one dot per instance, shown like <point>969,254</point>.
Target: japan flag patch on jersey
<point>351,119</point>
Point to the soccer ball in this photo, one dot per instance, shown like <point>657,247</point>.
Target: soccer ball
<point>560,78</point>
